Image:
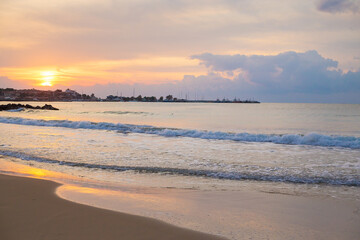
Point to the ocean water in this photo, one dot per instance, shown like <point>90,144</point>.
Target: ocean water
<point>287,148</point>
<point>190,164</point>
<point>302,148</point>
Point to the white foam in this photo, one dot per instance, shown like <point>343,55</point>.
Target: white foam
<point>16,110</point>
<point>259,174</point>
<point>314,139</point>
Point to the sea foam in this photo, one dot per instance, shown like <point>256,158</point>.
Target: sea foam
<point>313,139</point>
<point>267,175</point>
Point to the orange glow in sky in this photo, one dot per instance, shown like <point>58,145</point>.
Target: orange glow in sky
<point>148,70</point>
<point>96,46</point>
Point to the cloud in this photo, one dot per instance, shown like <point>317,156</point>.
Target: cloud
<point>285,77</point>
<point>335,6</point>
<point>64,33</point>
<point>5,82</point>
<point>287,73</point>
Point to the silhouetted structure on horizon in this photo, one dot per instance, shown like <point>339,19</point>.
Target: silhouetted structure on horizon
<point>11,94</point>
<point>170,98</point>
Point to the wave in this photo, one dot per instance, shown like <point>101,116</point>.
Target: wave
<point>268,177</point>
<point>16,110</point>
<point>313,139</point>
<point>126,112</point>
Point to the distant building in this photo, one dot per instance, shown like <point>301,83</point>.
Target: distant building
<point>72,92</point>
<point>10,94</point>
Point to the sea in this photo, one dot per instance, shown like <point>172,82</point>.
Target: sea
<point>285,148</point>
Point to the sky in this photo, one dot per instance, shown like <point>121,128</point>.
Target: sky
<point>268,50</point>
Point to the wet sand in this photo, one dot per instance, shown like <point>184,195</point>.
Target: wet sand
<point>30,209</point>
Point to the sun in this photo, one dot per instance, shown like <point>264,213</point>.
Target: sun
<point>47,77</point>
<point>46,84</point>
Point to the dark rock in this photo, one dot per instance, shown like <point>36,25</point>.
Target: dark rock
<point>12,106</point>
<point>48,107</point>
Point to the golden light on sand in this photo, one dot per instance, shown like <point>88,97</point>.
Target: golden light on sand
<point>37,172</point>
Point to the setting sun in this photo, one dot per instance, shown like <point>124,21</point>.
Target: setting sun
<point>46,84</point>
<point>47,77</point>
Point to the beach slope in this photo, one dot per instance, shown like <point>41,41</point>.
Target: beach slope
<point>29,209</point>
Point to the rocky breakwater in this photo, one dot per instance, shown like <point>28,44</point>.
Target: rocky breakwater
<point>13,106</point>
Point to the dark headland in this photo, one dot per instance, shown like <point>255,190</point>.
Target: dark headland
<point>11,94</point>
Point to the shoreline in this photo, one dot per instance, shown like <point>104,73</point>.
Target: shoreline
<point>30,209</point>
<point>30,206</point>
<point>238,214</point>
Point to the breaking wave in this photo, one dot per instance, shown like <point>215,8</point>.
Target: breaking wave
<point>313,139</point>
<point>269,176</point>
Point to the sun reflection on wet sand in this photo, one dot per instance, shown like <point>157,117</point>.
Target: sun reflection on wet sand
<point>176,206</point>
<point>122,199</point>
<point>235,214</point>
<point>16,169</point>
<point>114,197</point>
<point>164,204</point>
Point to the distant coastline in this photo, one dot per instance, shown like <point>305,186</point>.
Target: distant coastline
<point>21,95</point>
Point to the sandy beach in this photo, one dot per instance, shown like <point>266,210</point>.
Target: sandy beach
<point>29,209</point>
